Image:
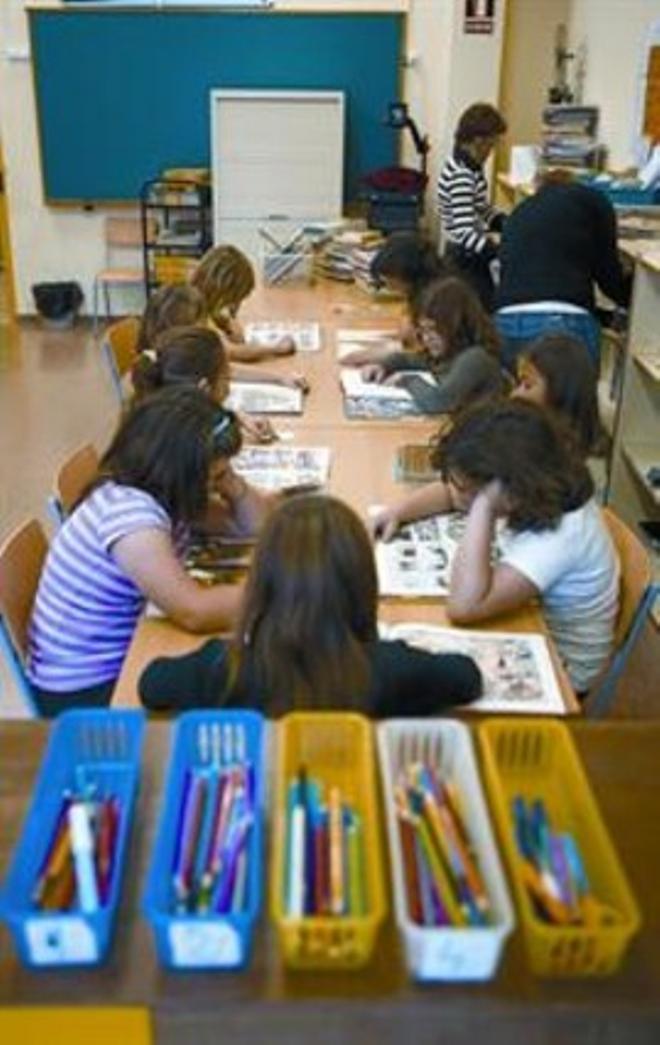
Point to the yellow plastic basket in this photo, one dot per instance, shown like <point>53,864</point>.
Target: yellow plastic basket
<point>536,758</point>
<point>338,750</point>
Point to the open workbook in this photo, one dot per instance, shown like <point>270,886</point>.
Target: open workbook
<point>370,399</point>
<point>518,674</point>
<point>417,561</point>
<point>279,467</point>
<point>307,336</point>
<point>264,398</point>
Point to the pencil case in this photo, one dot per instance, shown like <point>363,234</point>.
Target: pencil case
<point>95,747</point>
<point>537,759</point>
<point>337,750</point>
<point>209,742</point>
<point>446,953</point>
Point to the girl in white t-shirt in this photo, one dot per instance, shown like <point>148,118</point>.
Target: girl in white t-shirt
<point>510,460</point>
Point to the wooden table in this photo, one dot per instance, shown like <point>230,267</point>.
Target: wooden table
<point>361,470</point>
<point>377,1005</point>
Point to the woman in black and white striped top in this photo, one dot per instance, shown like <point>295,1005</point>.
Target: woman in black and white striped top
<point>467,216</point>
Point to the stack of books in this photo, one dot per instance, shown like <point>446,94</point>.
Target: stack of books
<point>569,136</point>
<point>348,255</point>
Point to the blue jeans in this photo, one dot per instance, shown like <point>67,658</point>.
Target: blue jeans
<point>518,329</point>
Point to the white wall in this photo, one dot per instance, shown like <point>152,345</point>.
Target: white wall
<point>450,71</point>
<point>613,32</point>
<point>528,70</point>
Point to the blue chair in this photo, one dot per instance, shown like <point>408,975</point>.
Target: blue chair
<point>70,481</point>
<point>22,557</point>
<point>638,593</point>
<point>119,350</point>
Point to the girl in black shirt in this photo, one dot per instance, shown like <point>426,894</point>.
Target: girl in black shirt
<point>307,637</point>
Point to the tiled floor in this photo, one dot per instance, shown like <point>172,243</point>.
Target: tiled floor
<point>55,395</point>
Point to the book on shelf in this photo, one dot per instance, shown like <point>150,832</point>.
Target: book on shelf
<point>264,398</point>
<point>569,135</point>
<point>282,467</point>
<point>307,336</point>
<point>416,562</point>
<point>517,669</point>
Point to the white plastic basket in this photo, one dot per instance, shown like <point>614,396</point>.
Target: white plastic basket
<point>449,954</point>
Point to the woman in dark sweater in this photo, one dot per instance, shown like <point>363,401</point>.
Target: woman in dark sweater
<point>555,246</point>
<point>460,351</point>
<point>307,637</point>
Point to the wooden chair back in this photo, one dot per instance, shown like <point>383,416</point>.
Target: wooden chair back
<point>74,475</point>
<point>636,573</point>
<point>122,339</point>
<point>119,349</point>
<point>22,557</point>
<point>123,231</point>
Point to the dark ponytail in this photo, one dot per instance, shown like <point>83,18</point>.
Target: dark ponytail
<point>147,374</point>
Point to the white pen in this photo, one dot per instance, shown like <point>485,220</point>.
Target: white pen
<point>82,847</point>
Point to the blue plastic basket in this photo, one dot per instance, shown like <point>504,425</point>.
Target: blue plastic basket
<point>101,747</point>
<point>624,194</point>
<point>206,941</point>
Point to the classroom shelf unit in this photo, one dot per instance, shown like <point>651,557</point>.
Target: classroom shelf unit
<point>176,229</point>
<point>634,490</point>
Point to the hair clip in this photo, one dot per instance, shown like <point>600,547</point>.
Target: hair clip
<point>221,426</point>
<point>149,354</point>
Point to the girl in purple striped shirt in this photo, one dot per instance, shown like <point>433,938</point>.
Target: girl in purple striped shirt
<point>168,466</point>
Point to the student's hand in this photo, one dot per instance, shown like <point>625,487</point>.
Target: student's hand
<point>385,525</point>
<point>494,497</point>
<point>373,372</point>
<point>263,431</point>
<point>257,428</point>
<point>227,491</point>
<point>297,381</point>
<point>286,346</point>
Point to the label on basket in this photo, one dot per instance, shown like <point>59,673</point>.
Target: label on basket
<point>445,959</point>
<point>209,944</point>
<point>60,941</point>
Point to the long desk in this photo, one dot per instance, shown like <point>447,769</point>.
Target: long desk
<point>377,1005</point>
<point>361,470</point>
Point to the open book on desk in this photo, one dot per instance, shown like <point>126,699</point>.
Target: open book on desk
<point>371,399</point>
<point>213,560</point>
<point>307,336</point>
<point>416,563</point>
<point>518,674</point>
<point>264,398</point>
<point>282,467</point>
<point>350,340</point>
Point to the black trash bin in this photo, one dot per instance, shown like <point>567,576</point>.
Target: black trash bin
<point>57,303</point>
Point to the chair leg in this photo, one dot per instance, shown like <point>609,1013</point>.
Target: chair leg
<point>95,307</point>
<point>601,700</point>
<point>106,301</point>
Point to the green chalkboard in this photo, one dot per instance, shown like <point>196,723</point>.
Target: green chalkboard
<point>123,94</point>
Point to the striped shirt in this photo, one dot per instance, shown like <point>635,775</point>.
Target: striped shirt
<point>86,607</point>
<point>465,212</point>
